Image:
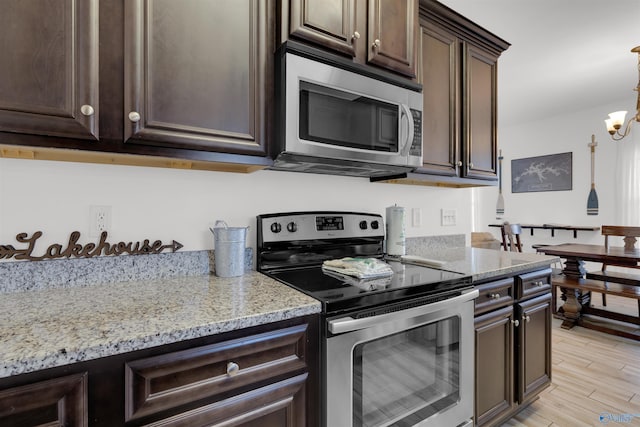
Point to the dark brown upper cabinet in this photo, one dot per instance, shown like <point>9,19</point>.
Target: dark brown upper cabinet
<point>331,23</point>
<point>458,71</point>
<point>197,74</point>
<point>158,83</point>
<point>49,71</point>
<point>392,30</point>
<point>379,32</point>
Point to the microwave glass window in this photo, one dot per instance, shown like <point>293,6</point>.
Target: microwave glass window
<point>345,119</point>
<point>406,377</point>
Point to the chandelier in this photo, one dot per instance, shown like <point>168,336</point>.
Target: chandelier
<point>616,119</point>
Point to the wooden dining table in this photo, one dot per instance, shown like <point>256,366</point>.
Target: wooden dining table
<point>577,254</point>
<point>576,284</point>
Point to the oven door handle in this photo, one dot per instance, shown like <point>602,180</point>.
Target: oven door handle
<point>349,324</point>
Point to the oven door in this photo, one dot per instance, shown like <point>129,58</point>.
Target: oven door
<point>412,367</point>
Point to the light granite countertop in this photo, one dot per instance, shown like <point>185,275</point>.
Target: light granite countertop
<point>53,327</point>
<point>44,328</point>
<point>482,264</point>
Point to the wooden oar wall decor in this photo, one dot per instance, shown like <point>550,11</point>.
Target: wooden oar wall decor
<point>592,201</point>
<point>500,204</point>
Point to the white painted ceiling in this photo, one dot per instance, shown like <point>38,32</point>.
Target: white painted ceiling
<point>565,55</point>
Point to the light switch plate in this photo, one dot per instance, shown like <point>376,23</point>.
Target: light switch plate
<point>449,217</point>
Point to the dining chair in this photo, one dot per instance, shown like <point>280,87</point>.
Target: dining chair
<point>629,234</point>
<point>511,237</point>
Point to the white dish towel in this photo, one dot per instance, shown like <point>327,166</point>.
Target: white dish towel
<point>362,268</point>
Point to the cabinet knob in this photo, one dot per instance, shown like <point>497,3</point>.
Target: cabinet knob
<point>355,36</point>
<point>232,369</point>
<point>459,164</point>
<point>526,318</point>
<point>376,44</point>
<point>495,296</point>
<point>539,283</point>
<point>87,110</point>
<point>471,165</point>
<point>516,323</point>
<point>134,116</point>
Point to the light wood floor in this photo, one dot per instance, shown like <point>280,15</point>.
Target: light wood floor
<point>594,375</point>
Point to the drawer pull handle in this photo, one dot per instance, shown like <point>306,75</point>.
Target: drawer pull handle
<point>516,323</point>
<point>232,369</point>
<point>539,283</point>
<point>87,110</point>
<point>494,296</point>
<point>134,116</point>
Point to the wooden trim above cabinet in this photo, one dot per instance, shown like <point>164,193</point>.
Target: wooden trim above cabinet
<point>107,158</point>
<point>468,30</point>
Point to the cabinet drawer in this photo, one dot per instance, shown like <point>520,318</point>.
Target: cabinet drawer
<point>278,404</point>
<point>532,284</point>
<point>494,295</point>
<point>162,382</point>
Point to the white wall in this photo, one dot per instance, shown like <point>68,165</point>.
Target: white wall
<point>167,204</point>
<point>567,133</point>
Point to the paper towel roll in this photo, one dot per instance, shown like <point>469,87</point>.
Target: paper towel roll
<point>395,231</point>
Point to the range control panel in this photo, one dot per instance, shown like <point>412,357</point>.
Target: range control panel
<point>292,226</point>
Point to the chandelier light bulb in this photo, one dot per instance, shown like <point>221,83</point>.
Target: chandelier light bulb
<point>617,119</point>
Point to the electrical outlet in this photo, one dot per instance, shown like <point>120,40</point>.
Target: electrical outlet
<point>449,216</point>
<point>416,217</point>
<point>100,220</point>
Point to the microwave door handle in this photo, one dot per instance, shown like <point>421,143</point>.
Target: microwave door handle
<point>407,145</point>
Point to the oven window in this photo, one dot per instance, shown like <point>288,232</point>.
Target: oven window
<point>404,378</point>
<point>344,119</point>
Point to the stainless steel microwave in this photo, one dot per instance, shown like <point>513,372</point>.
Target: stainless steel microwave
<point>338,121</point>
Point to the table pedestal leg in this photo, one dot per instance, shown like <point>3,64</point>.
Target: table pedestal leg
<point>574,267</point>
<point>571,308</point>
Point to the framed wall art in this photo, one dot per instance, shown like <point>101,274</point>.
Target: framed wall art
<point>552,172</point>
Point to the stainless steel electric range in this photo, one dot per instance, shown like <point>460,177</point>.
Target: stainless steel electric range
<point>396,351</point>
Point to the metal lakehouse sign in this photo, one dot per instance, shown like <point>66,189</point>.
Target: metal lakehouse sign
<point>74,249</point>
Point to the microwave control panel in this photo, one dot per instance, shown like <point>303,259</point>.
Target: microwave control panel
<point>416,144</point>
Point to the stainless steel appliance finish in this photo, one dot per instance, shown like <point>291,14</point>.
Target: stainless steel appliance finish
<point>408,367</point>
<point>337,121</point>
<point>396,351</point>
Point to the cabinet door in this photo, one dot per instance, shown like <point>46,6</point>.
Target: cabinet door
<point>198,74</point>
<point>49,71</point>
<point>330,23</point>
<point>534,346</point>
<point>392,32</point>
<point>440,75</point>
<point>494,387</point>
<point>480,111</point>
<point>56,402</point>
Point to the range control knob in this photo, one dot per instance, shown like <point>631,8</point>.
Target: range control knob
<point>363,225</point>
<point>375,225</point>
<point>292,227</point>
<point>276,227</point>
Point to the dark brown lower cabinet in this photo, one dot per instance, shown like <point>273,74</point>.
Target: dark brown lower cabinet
<point>494,365</point>
<point>55,402</point>
<point>262,376</point>
<point>513,345</point>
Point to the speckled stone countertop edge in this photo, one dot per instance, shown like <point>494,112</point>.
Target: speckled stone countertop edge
<point>135,316</point>
<point>511,270</point>
<point>62,357</point>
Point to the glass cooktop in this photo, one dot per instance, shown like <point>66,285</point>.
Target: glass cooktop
<point>339,293</point>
